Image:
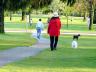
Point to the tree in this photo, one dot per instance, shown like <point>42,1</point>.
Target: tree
<point>37,4</point>
<point>14,5</point>
<point>71,2</point>
<point>7,5</point>
<point>94,17</point>
<point>57,5</point>
<point>90,14</point>
<point>81,7</point>
<point>94,9</point>
<point>24,4</point>
<point>1,17</point>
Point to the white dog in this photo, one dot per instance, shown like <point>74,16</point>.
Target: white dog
<point>75,39</point>
<point>74,44</point>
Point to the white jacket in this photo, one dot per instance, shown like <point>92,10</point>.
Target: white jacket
<point>40,25</point>
<point>88,21</point>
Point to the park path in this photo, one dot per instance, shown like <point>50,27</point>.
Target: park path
<point>18,53</point>
<point>62,33</point>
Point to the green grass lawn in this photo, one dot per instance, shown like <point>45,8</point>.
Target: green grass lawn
<point>64,59</point>
<point>77,23</point>
<point>10,40</point>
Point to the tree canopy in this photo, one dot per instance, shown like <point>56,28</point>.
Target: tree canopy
<point>69,2</point>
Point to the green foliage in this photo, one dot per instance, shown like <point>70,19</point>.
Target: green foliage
<point>81,7</point>
<point>14,5</point>
<point>39,3</point>
<point>57,5</point>
<point>69,2</point>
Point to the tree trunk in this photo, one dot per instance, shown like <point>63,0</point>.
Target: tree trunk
<point>67,20</point>
<point>84,16</point>
<point>10,15</point>
<point>94,18</point>
<point>29,16</point>
<point>23,15</point>
<point>1,17</point>
<point>90,14</point>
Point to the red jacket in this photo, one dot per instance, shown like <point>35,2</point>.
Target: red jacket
<point>54,26</point>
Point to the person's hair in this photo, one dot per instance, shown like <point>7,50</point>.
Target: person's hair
<point>39,19</point>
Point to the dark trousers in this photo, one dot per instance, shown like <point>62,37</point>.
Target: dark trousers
<point>53,42</point>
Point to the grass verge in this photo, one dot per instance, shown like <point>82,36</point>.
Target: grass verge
<point>10,40</point>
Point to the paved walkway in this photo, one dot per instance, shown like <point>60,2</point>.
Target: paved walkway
<point>19,53</point>
<point>81,33</point>
<point>65,32</point>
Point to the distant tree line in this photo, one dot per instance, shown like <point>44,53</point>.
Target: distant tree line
<point>26,7</point>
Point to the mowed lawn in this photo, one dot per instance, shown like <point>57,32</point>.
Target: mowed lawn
<point>74,24</point>
<point>11,40</point>
<point>64,59</point>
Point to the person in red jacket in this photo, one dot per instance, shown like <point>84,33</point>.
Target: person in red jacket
<point>54,30</point>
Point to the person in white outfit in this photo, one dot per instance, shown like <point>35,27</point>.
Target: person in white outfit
<point>39,28</point>
<point>88,21</point>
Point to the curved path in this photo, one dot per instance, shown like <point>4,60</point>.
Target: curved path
<point>19,53</point>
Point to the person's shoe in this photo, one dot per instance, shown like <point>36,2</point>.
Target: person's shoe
<point>51,49</point>
<point>54,47</point>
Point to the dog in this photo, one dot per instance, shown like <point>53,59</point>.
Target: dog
<point>74,42</point>
<point>76,36</point>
